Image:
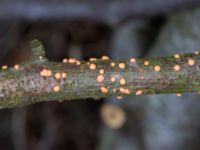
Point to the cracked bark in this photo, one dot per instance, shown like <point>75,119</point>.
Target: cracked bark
<point>26,84</point>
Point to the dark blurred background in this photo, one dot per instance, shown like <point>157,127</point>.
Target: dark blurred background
<point>84,29</point>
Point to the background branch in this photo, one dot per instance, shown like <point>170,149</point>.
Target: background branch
<point>107,11</point>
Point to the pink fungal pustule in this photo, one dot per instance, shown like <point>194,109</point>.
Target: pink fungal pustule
<point>122,81</point>
<point>16,66</point>
<point>113,79</point>
<point>64,75</point>
<point>56,88</point>
<point>101,71</point>
<point>132,60</point>
<point>112,64</point>
<point>138,92</point>
<point>191,62</point>
<point>177,56</point>
<point>105,58</point>
<point>157,68</point>
<point>122,65</point>
<point>177,68</point>
<point>100,78</point>
<point>92,66</point>
<point>58,75</point>
<point>4,67</point>
<point>104,90</point>
<point>146,63</point>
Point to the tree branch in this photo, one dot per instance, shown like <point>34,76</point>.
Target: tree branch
<point>40,80</point>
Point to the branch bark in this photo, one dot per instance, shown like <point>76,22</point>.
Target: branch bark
<point>40,80</point>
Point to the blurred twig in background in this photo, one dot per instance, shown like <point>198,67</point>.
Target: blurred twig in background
<point>109,12</point>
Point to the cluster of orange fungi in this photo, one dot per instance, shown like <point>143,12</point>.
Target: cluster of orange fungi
<point>100,77</point>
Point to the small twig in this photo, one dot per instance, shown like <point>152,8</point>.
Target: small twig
<point>109,12</point>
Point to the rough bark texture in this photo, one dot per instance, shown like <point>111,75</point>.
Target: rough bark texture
<point>26,85</point>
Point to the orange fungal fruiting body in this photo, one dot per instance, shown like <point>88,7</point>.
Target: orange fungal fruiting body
<point>65,60</point>
<point>146,63</point>
<point>122,65</point>
<point>114,90</point>
<point>191,62</point>
<point>100,78</point>
<point>113,79</point>
<point>78,62</point>
<point>177,67</point>
<point>58,75</point>
<point>64,75</point>
<point>4,67</point>
<point>139,92</point>
<point>122,81</point>
<point>72,60</point>
<point>105,58</point>
<point>16,66</point>
<point>177,56</point>
<point>104,90</point>
<point>132,60</point>
<point>45,73</point>
<point>157,68</point>
<point>101,71</point>
<point>112,64</point>
<point>56,88</point>
<point>92,66</point>
<point>92,59</point>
